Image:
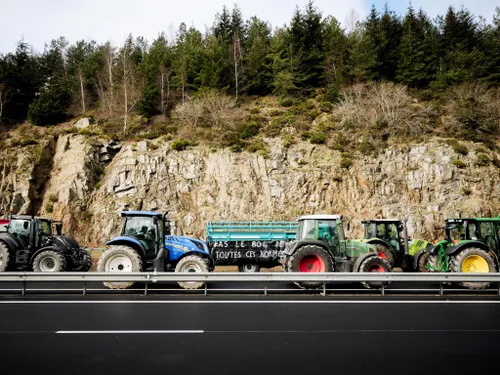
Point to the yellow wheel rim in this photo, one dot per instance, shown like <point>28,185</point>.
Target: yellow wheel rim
<point>475,263</point>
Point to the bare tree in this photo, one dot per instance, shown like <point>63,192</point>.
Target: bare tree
<point>4,94</point>
<point>237,57</point>
<point>130,83</point>
<point>164,88</point>
<point>82,91</point>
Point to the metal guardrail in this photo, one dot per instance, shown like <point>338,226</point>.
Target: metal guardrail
<point>265,278</point>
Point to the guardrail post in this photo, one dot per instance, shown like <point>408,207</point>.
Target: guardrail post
<point>146,288</point>
<point>265,288</point>
<point>206,288</point>
<point>441,292</point>
<point>84,287</point>
<point>499,289</point>
<point>383,289</point>
<point>23,292</point>
<point>324,290</point>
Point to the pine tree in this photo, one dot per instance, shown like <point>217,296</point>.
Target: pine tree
<point>388,39</point>
<point>257,59</point>
<point>335,48</point>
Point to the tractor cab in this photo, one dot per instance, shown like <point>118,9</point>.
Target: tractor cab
<point>389,231</point>
<point>324,228</point>
<point>147,228</point>
<point>485,230</point>
<point>32,232</point>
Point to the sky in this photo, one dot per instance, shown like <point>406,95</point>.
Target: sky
<point>39,21</point>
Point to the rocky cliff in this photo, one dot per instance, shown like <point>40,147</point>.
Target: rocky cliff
<point>87,182</point>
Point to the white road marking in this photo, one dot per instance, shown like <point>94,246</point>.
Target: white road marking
<point>130,332</point>
<point>176,302</point>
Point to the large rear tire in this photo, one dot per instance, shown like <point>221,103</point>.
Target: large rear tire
<point>117,259</point>
<point>374,264</point>
<point>4,257</point>
<point>310,258</point>
<point>49,261</point>
<point>385,253</point>
<point>249,268</point>
<point>192,263</point>
<point>473,260</point>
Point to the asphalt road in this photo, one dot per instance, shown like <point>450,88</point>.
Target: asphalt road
<point>248,337</point>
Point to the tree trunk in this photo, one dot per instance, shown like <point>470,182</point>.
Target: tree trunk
<point>82,91</point>
<point>162,88</point>
<point>125,93</point>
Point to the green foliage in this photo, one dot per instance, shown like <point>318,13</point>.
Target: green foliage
<point>287,102</point>
<point>180,144</point>
<point>287,140</point>
<point>53,198</point>
<point>483,160</point>
<point>345,163</point>
<point>258,145</point>
<point>49,207</point>
<point>317,138</point>
<point>458,147</point>
<point>458,163</point>
<point>51,106</point>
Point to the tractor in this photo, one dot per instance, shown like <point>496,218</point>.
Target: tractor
<point>390,237</point>
<point>320,246</point>
<point>145,244</point>
<point>471,245</point>
<point>29,244</point>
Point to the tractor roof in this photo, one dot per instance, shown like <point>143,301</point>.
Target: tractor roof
<point>142,213</point>
<point>27,217</point>
<point>380,221</point>
<point>483,219</point>
<point>320,217</point>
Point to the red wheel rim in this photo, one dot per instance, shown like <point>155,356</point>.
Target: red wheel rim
<point>312,263</point>
<point>375,268</point>
<point>382,255</point>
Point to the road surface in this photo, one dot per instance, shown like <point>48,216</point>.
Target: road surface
<point>223,336</point>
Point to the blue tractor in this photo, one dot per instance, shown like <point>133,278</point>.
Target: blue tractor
<point>145,244</point>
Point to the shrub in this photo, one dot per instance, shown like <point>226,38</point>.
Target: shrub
<point>180,144</point>
<point>317,138</point>
<point>251,129</point>
<point>345,163</point>
<point>458,147</point>
<point>458,163</point>
<point>53,198</point>
<point>49,207</point>
<point>287,102</point>
<point>287,140</point>
<point>258,145</point>
<point>50,107</point>
<point>483,160</point>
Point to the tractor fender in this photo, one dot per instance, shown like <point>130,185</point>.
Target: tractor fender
<point>452,250</point>
<point>418,254</point>
<point>10,241</point>
<point>361,259</point>
<point>65,244</point>
<point>298,244</point>
<point>50,248</point>
<point>378,241</point>
<point>131,242</point>
<point>179,247</point>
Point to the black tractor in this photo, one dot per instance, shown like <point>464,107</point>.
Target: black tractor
<point>29,244</point>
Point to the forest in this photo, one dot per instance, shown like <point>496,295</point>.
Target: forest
<point>239,59</point>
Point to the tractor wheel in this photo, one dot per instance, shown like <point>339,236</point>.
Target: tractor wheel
<point>248,267</point>
<point>310,258</point>
<point>422,262</point>
<point>385,253</point>
<point>84,262</point>
<point>192,263</point>
<point>49,261</point>
<point>4,257</point>
<point>119,258</point>
<point>374,264</point>
<point>473,260</point>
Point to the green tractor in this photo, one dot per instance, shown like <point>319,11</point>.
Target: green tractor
<point>471,245</point>
<point>321,246</point>
<point>390,237</point>
<point>30,244</point>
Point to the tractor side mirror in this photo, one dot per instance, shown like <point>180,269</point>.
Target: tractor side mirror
<point>26,225</point>
<point>59,229</point>
<point>349,226</point>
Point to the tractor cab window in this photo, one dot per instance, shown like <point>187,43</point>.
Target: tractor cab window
<point>393,235</point>
<point>455,232</point>
<point>44,227</point>
<point>488,235</point>
<point>140,227</point>
<point>472,231</point>
<point>21,229</point>
<point>320,230</point>
<point>381,231</point>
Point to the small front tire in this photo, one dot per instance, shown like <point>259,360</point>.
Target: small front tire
<point>248,268</point>
<point>192,263</point>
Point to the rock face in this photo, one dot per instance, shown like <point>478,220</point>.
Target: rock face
<point>91,183</point>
